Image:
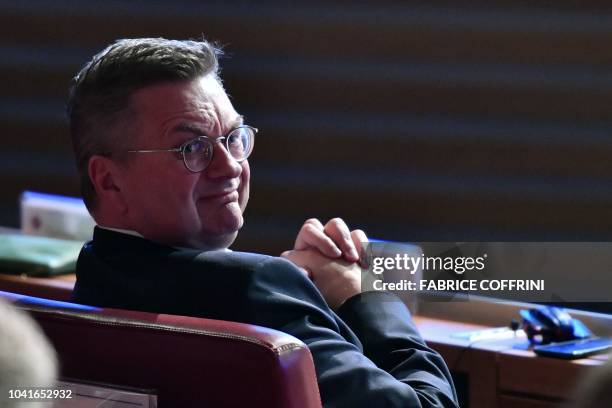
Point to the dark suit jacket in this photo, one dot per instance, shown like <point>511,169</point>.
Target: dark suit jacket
<point>368,355</point>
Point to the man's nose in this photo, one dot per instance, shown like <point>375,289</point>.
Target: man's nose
<point>223,164</point>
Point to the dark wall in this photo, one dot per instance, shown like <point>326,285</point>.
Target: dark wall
<point>489,120</point>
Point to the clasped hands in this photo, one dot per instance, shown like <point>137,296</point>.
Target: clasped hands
<point>332,256</point>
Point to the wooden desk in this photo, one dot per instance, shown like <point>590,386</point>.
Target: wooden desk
<point>501,376</point>
<point>498,375</point>
<point>56,287</point>
<point>533,381</point>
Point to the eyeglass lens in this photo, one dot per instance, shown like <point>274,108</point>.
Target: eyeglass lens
<point>198,153</point>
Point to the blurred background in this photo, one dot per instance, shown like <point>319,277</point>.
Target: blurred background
<point>414,120</point>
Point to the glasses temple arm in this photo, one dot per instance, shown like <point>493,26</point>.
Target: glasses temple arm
<point>177,149</point>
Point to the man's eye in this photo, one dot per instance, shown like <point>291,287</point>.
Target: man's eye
<point>235,139</point>
<point>195,147</point>
<point>236,143</point>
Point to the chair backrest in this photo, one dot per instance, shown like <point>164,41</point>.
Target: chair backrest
<point>188,361</point>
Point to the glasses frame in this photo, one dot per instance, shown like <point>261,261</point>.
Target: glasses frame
<point>221,139</point>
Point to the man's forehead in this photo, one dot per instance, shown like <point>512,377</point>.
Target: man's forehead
<point>201,102</point>
<point>197,127</point>
<point>202,118</point>
<point>180,95</point>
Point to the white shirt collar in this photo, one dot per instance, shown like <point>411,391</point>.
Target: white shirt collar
<point>137,234</point>
<point>122,231</point>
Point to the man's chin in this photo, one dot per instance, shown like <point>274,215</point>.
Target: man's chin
<point>214,242</point>
<point>219,227</point>
<point>221,237</point>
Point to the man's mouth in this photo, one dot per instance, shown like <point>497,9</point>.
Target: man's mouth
<point>222,197</point>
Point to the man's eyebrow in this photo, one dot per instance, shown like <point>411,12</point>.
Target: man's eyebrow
<point>199,130</point>
<point>189,127</point>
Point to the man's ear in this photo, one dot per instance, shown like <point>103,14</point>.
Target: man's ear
<point>107,179</point>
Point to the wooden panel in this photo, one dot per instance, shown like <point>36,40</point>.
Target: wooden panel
<point>522,372</point>
<point>409,96</point>
<point>506,401</point>
<point>324,29</point>
<point>487,120</point>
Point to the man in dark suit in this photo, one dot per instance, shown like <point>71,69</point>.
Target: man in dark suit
<point>162,156</point>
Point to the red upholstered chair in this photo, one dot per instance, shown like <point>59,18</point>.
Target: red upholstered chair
<point>188,361</point>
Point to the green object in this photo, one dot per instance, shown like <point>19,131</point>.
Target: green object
<point>37,256</point>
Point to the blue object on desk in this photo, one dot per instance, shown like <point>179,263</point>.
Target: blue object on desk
<point>548,324</point>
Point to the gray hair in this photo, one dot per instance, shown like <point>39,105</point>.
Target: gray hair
<point>26,356</point>
<point>100,93</point>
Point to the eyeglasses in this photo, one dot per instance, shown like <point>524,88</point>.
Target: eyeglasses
<point>197,153</point>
